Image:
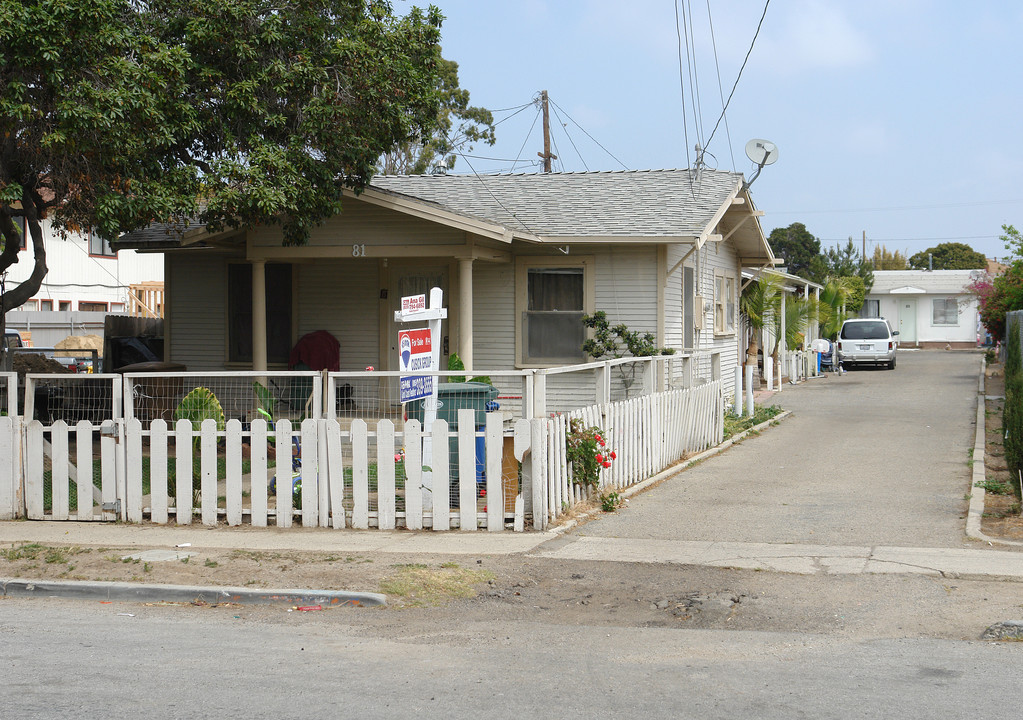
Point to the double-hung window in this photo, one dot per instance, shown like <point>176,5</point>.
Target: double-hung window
<point>552,295</point>
<point>99,247</point>
<point>724,304</point>
<point>945,311</point>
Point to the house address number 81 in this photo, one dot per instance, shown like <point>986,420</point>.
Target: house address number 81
<point>358,251</point>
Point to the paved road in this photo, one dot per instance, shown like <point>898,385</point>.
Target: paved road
<point>66,660</point>
<point>873,457</point>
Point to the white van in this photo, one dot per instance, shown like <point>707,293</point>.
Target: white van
<point>867,341</point>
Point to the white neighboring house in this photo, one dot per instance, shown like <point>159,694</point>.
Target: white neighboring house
<point>929,308</point>
<point>86,280</point>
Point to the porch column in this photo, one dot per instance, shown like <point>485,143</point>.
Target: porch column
<point>259,315</point>
<point>465,312</point>
<point>782,349</point>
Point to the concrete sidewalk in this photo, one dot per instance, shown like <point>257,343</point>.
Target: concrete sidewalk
<point>975,564</point>
<point>249,538</point>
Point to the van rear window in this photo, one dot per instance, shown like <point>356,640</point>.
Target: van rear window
<point>865,331</point>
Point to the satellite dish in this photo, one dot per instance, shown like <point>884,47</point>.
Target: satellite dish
<point>762,152</point>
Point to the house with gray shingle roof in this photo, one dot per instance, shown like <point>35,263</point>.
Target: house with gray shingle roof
<point>520,257</point>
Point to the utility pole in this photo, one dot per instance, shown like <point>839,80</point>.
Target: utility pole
<point>546,154</point>
<point>864,246</point>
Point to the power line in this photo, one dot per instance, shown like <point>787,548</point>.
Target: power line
<point>497,200</point>
<point>565,128</point>
<point>721,90</point>
<point>596,142</point>
<point>695,94</point>
<point>900,207</point>
<point>682,90</point>
<point>526,140</point>
<point>748,52</point>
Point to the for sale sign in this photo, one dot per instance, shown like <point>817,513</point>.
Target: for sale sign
<point>413,303</point>
<point>415,354</point>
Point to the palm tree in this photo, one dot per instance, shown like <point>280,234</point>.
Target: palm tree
<point>757,303</point>
<point>831,311</point>
<point>799,313</point>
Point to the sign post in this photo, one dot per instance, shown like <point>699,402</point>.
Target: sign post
<point>419,350</point>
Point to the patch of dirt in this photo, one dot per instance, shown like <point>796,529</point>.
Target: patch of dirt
<point>1002,517</point>
<point>24,363</point>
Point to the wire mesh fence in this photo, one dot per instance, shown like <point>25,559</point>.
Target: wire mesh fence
<point>8,394</point>
<point>241,396</point>
<point>71,398</point>
<point>375,396</point>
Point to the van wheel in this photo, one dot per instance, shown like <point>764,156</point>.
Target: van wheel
<point>891,365</point>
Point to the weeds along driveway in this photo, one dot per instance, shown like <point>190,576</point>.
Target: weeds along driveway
<point>870,457</point>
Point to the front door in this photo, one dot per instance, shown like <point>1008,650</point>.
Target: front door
<point>419,280</point>
<point>907,320</point>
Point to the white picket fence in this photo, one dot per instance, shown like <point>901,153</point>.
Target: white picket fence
<point>648,434</point>
<point>366,494</point>
<point>134,471</point>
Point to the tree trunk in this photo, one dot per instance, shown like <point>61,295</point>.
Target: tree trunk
<point>18,296</point>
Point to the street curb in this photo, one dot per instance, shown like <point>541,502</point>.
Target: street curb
<point>976,512</point>
<point>130,592</point>
<point>672,471</point>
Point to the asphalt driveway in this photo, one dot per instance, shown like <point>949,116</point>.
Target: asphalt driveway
<point>872,457</point>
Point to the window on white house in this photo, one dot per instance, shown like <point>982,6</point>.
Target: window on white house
<point>944,311</point>
<point>871,309</point>
<point>99,247</point>
<point>724,304</point>
<point>551,300</point>
<point>46,305</point>
<point>85,306</point>
<point>64,305</point>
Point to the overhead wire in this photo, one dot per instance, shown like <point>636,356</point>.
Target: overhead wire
<point>498,200</point>
<point>743,67</point>
<point>595,141</point>
<point>695,75</point>
<point>569,136</point>
<point>682,90</point>
<point>721,90</point>
<point>526,140</point>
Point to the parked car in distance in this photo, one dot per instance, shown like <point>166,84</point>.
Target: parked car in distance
<point>867,341</point>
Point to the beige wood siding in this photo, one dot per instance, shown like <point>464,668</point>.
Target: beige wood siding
<point>360,223</point>
<point>198,323</point>
<point>493,317</point>
<point>627,286</point>
<point>343,299</point>
<point>673,297</point>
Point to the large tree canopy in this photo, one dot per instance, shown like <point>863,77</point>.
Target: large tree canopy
<point>459,125</point>
<point>800,250</point>
<point>949,256</point>
<point>118,113</point>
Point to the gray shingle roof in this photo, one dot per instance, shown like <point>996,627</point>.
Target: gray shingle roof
<point>632,203</point>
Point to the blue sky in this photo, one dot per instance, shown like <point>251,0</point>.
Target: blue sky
<point>901,118</point>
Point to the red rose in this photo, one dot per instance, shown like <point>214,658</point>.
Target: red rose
<point>599,458</point>
<point>613,455</point>
<point>607,464</point>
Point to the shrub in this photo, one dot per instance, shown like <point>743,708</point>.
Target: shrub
<point>587,452</point>
<point>1012,414</point>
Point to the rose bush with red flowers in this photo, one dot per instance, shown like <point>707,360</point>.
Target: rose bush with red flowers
<point>587,452</point>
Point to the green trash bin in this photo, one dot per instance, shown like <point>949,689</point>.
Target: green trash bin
<point>452,397</point>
